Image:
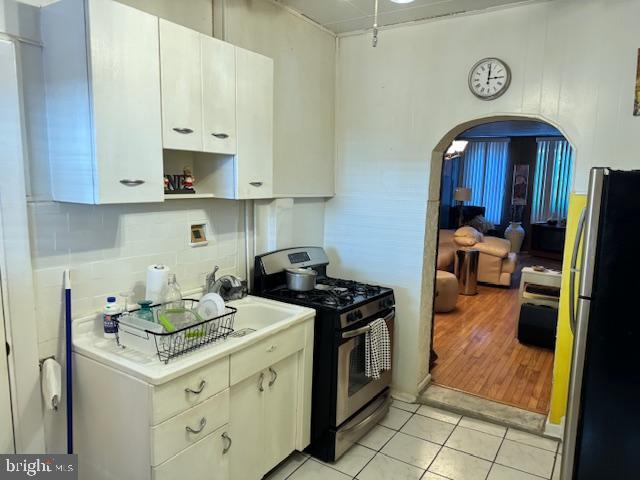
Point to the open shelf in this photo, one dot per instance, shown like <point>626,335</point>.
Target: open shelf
<point>186,196</point>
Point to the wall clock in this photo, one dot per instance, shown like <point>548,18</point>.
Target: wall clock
<point>489,78</point>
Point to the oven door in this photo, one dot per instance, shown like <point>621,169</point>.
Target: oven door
<point>355,389</point>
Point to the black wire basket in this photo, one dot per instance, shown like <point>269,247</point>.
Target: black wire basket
<point>170,345</point>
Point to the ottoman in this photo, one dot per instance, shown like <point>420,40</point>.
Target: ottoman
<point>446,291</point>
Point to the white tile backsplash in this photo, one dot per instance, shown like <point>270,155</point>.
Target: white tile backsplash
<point>108,248</point>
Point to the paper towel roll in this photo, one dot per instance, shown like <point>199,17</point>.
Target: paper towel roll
<point>157,280</point>
<point>51,384</point>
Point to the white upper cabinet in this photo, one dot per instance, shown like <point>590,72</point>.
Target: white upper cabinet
<point>254,111</point>
<point>180,61</point>
<point>103,102</point>
<point>218,96</point>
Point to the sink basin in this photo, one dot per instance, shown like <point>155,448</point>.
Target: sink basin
<point>257,313</point>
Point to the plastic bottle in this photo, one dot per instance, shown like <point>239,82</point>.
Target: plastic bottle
<point>173,295</point>
<point>110,313</point>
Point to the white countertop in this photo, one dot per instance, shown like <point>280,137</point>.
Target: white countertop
<point>89,342</point>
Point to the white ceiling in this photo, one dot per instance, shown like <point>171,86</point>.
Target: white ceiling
<point>342,16</point>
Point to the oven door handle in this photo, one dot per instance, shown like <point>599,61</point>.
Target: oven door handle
<point>359,331</point>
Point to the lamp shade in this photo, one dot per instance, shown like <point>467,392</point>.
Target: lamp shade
<point>462,194</point>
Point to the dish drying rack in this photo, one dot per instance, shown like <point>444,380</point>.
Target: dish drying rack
<point>168,345</point>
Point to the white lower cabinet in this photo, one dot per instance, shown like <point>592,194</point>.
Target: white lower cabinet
<point>205,460</point>
<point>264,420</point>
<point>280,402</point>
<point>235,417</point>
<point>247,418</point>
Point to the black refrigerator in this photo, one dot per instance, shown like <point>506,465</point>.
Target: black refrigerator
<point>602,431</point>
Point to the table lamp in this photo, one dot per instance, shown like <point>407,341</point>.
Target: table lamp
<point>461,194</point>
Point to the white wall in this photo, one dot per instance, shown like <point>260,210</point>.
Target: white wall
<point>573,64</point>
<point>304,58</point>
<point>194,14</point>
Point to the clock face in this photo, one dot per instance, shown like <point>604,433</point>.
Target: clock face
<point>489,78</point>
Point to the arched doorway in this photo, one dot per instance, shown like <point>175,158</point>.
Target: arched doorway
<point>432,229</point>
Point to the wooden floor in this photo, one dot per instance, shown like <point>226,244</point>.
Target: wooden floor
<point>478,352</point>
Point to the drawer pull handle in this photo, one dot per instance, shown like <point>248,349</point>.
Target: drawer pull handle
<point>274,376</point>
<point>260,382</point>
<point>221,136</point>
<point>203,423</point>
<point>225,436</point>
<point>184,131</point>
<point>199,390</point>
<point>271,348</point>
<point>255,184</point>
<point>131,183</point>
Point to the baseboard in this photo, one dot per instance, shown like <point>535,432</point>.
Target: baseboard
<point>554,430</point>
<point>424,384</point>
<point>411,397</point>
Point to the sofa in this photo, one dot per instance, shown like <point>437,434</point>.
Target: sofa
<point>496,262</point>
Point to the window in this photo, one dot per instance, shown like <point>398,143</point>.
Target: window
<point>552,182</point>
<point>485,173</point>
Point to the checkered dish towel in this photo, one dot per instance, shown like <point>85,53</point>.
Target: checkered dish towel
<point>377,349</point>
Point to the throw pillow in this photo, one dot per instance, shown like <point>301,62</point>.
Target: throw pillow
<point>467,236</point>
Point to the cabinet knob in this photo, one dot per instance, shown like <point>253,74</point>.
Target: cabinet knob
<point>184,131</point>
<point>221,136</point>
<point>203,423</point>
<point>199,390</point>
<point>131,183</point>
<point>255,184</point>
<point>225,436</point>
<point>260,382</point>
<point>271,348</point>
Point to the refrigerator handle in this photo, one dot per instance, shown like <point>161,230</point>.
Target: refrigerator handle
<point>574,271</point>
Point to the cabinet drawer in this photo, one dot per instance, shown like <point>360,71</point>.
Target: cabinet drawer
<point>172,436</point>
<point>203,460</point>
<point>266,352</point>
<point>189,390</point>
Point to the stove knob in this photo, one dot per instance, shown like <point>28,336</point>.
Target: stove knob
<point>359,314</point>
<point>351,317</point>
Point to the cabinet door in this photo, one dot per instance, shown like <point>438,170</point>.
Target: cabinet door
<point>246,428</point>
<point>254,77</point>
<point>204,460</point>
<point>281,415</point>
<point>218,96</point>
<point>125,91</point>
<point>181,87</point>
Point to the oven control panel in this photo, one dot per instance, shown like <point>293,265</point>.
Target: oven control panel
<point>367,310</point>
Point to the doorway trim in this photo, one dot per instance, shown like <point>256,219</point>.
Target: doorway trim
<point>17,283</point>
<point>431,226</point>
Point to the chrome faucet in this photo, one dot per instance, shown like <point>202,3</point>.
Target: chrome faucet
<point>211,280</point>
<point>228,286</point>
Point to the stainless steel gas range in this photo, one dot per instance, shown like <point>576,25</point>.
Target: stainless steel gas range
<point>346,403</point>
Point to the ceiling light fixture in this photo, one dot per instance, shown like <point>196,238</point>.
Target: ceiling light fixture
<point>456,149</point>
<point>402,1</point>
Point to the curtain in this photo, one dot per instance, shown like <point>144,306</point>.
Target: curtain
<point>485,173</point>
<point>552,181</point>
<point>450,177</point>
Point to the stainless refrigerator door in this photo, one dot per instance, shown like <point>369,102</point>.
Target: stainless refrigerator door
<point>581,324</point>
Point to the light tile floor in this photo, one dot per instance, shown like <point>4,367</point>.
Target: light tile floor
<point>424,443</point>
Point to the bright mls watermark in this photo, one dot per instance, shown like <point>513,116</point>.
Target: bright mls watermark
<point>52,467</point>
